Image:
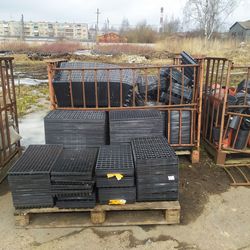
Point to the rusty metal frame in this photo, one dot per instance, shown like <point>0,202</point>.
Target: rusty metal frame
<point>8,109</point>
<point>242,172</point>
<point>195,106</point>
<point>219,80</point>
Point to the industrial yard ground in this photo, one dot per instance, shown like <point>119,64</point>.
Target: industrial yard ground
<point>214,216</point>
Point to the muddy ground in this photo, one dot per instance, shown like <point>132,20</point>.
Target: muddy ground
<point>214,216</point>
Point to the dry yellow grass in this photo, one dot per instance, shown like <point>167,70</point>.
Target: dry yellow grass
<point>229,48</point>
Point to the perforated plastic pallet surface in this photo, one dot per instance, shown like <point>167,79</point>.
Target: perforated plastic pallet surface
<point>124,182</point>
<point>75,162</point>
<point>134,115</point>
<point>153,148</point>
<point>37,159</point>
<point>74,116</point>
<point>115,159</point>
<point>100,75</point>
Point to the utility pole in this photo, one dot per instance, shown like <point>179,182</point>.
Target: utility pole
<point>161,20</point>
<point>97,24</point>
<point>22,29</point>
<point>107,25</point>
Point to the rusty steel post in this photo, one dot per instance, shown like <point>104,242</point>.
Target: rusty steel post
<point>50,69</point>
<point>224,104</point>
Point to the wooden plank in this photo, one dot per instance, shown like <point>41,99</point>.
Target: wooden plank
<point>113,218</point>
<point>156,205</point>
<point>140,213</point>
<point>183,152</point>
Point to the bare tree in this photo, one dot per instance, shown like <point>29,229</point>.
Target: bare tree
<point>209,15</point>
<point>124,26</point>
<point>171,26</point>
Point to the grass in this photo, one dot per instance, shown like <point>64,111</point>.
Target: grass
<point>32,98</point>
<point>53,47</point>
<point>228,48</point>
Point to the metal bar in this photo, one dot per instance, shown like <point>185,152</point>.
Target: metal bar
<point>237,132</point>
<point>231,176</point>
<point>51,87</point>
<point>224,104</point>
<point>96,88</point>
<point>194,86</point>
<point>130,67</point>
<point>246,85</point>
<point>169,124</point>
<point>121,98</point>
<point>160,107</point>
<point>146,89</point>
<point>192,127</point>
<point>221,79</point>
<point>159,85</point>
<point>180,127</point>
<point>182,84</point>
<point>226,129</point>
<point>83,90</point>
<point>109,104</point>
<point>134,86</point>
<point>205,117</point>
<point>170,86</point>
<point>201,76</point>
<point>243,174</point>
<point>70,89</point>
<point>211,123</point>
<point>14,98</point>
<point>6,128</point>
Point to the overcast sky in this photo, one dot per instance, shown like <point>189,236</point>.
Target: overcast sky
<point>115,10</point>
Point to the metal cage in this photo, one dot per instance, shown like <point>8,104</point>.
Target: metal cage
<point>166,102</point>
<point>226,103</point>
<point>9,138</point>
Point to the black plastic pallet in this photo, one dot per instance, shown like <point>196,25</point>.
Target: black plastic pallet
<point>115,159</point>
<point>75,162</point>
<point>118,193</point>
<point>129,124</point>
<point>113,182</point>
<point>37,159</point>
<point>75,128</point>
<point>86,81</point>
<point>29,178</point>
<point>150,150</point>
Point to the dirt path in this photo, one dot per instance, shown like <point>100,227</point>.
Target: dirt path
<point>214,216</point>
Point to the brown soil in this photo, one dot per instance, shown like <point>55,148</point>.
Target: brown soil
<point>197,182</point>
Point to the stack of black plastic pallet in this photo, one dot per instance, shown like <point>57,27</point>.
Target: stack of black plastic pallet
<point>72,181</point>
<point>180,126</point>
<point>156,166</point>
<point>92,83</point>
<point>75,128</point>
<point>115,175</point>
<point>129,124</point>
<point>29,178</point>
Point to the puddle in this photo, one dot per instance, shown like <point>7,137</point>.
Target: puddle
<point>29,81</point>
<point>31,128</point>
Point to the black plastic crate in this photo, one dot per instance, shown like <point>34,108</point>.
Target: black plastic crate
<point>115,159</point>
<point>129,124</point>
<point>75,128</point>
<point>128,194</point>
<point>84,82</point>
<point>175,126</point>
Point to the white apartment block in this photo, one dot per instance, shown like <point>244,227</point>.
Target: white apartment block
<point>73,31</point>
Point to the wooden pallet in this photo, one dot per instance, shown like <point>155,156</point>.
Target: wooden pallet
<point>228,157</point>
<point>140,213</point>
<point>193,153</point>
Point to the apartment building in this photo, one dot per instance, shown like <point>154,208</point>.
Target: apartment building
<point>56,30</point>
